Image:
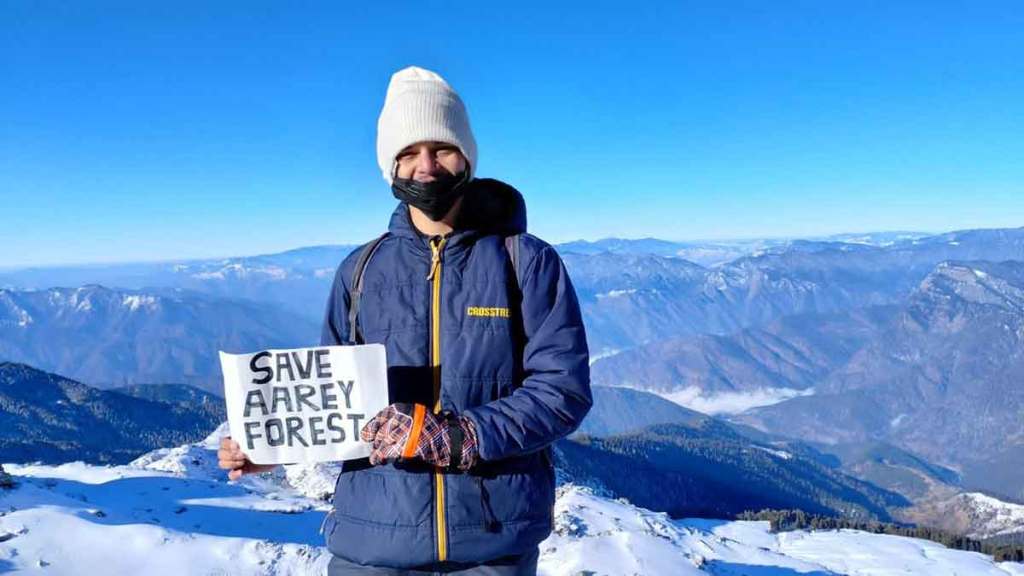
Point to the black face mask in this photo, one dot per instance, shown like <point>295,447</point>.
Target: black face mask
<point>434,198</point>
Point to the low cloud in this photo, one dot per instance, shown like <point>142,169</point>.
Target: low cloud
<point>731,402</point>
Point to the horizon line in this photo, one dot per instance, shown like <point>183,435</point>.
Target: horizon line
<point>191,259</point>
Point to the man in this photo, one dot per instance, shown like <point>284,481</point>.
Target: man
<point>487,360</point>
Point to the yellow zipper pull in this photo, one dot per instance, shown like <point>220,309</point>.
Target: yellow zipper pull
<point>435,258</point>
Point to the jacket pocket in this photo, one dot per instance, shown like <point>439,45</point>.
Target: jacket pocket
<point>499,515</point>
<point>489,502</point>
<point>382,517</point>
<point>384,496</point>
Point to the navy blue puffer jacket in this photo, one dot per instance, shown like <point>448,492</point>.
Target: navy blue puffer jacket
<point>463,335</point>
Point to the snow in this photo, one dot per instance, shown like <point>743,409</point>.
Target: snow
<point>694,398</point>
<point>238,270</point>
<point>136,301</point>
<point>23,318</point>
<point>897,420</point>
<point>78,519</point>
<point>173,512</point>
<point>779,453</point>
<point>22,315</point>
<point>979,273</point>
<point>604,353</point>
<point>169,512</point>
<point>612,537</point>
<point>847,552</point>
<point>274,272</point>
<point>55,297</point>
<point>603,536</point>
<point>717,281</point>
<point>998,517</point>
<point>218,275</point>
<point>617,293</point>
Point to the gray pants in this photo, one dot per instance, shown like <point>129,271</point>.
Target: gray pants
<point>525,565</point>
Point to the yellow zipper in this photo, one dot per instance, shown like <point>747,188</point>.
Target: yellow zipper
<point>435,363</point>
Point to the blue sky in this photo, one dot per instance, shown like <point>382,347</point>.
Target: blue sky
<point>144,131</point>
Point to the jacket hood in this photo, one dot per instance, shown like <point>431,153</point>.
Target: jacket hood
<point>489,206</point>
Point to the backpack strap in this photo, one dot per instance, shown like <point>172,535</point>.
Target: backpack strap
<point>512,247</point>
<point>515,297</point>
<point>354,335</point>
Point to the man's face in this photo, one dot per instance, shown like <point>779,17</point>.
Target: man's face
<point>425,161</point>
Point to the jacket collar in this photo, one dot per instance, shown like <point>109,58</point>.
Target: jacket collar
<point>488,207</point>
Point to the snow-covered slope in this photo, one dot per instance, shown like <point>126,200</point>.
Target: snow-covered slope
<point>173,512</point>
<point>994,517</point>
<point>977,515</point>
<point>602,536</point>
<point>169,512</point>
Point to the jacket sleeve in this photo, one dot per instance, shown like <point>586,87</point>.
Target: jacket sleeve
<point>555,392</point>
<point>335,329</point>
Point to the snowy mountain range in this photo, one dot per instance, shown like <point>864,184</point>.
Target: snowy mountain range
<point>940,378</point>
<point>974,514</point>
<point>934,374</point>
<point>632,291</point>
<point>632,299</point>
<point>712,253</point>
<point>110,337</point>
<point>296,280</point>
<point>172,512</point>
<point>896,355</point>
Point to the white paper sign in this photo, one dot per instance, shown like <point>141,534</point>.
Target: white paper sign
<point>304,405</point>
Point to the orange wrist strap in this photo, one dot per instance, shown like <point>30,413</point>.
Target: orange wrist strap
<point>417,428</point>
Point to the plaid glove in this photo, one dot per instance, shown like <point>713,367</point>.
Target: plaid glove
<point>405,431</point>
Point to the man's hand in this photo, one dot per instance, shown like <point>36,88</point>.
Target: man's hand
<point>230,457</point>
<point>404,431</point>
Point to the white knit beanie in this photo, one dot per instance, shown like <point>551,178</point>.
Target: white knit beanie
<point>420,106</point>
